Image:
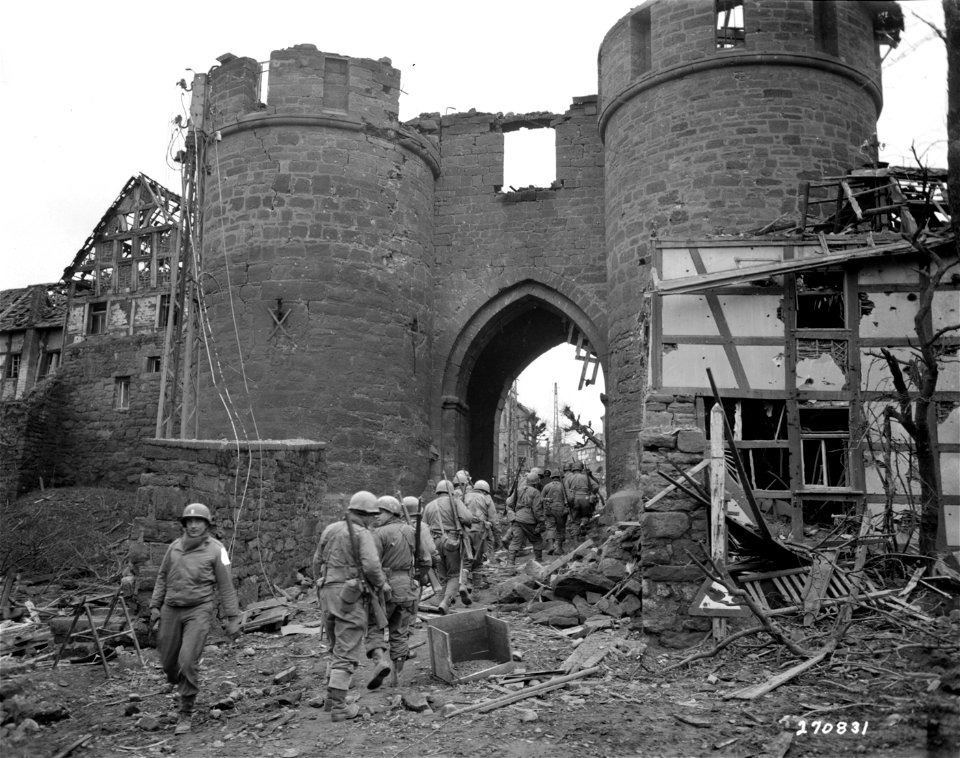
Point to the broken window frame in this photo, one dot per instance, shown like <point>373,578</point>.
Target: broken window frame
<point>729,35</point>
<point>49,362</point>
<point>97,318</point>
<point>12,369</point>
<point>121,393</point>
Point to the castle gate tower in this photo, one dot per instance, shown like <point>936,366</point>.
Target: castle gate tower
<point>316,273</point>
<point>711,113</point>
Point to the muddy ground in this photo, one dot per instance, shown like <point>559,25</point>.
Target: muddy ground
<point>886,693</point>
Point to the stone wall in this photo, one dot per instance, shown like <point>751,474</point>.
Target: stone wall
<point>101,444</point>
<point>268,499</point>
<point>30,441</point>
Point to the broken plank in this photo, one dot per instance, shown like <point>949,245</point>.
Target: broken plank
<point>667,490</point>
<point>756,690</point>
<point>552,684</point>
<point>552,568</point>
<point>589,653</point>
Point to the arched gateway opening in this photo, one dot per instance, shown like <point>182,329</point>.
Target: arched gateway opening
<point>499,341</point>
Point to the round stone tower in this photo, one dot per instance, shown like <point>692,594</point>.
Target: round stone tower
<point>316,272</point>
<point>712,112</point>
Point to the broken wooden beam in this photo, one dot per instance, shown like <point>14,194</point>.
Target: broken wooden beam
<point>553,684</point>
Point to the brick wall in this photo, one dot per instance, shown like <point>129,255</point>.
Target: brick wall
<point>268,499</point>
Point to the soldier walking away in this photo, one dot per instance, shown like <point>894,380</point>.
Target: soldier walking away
<point>448,520</point>
<point>554,498</point>
<point>347,562</point>
<point>582,490</point>
<point>528,522</point>
<point>396,541</point>
<point>194,570</point>
<point>484,529</point>
<point>426,568</point>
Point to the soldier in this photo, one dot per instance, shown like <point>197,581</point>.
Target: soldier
<point>555,513</point>
<point>461,482</point>
<point>396,542</point>
<point>582,491</point>
<point>528,521</point>
<point>349,571</point>
<point>194,570</point>
<point>448,519</point>
<point>484,527</point>
<point>424,567</point>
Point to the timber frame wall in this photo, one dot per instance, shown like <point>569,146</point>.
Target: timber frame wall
<point>795,358</point>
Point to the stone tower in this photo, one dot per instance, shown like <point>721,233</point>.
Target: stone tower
<point>710,121</point>
<point>317,237</point>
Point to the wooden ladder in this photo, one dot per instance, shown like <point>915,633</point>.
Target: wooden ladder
<point>100,634</point>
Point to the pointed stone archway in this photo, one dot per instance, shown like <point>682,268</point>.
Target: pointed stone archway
<point>497,343</point>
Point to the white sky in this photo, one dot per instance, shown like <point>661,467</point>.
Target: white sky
<point>89,93</point>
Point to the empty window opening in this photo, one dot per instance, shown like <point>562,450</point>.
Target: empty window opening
<point>640,39</point>
<point>825,438</point>
<point>163,313</point>
<point>263,83</point>
<point>820,300</point>
<point>825,27</point>
<point>97,323</point>
<point>105,280</point>
<point>154,363</point>
<point>49,362</point>
<point>730,28</point>
<point>529,158</point>
<point>761,428</point>
<point>336,81</point>
<point>121,394</point>
<point>13,366</point>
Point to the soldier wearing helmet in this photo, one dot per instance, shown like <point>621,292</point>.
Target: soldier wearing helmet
<point>528,520</point>
<point>554,498</point>
<point>582,493</point>
<point>461,482</point>
<point>347,562</point>
<point>412,506</point>
<point>448,520</point>
<point>395,541</point>
<point>485,525</point>
<point>194,571</point>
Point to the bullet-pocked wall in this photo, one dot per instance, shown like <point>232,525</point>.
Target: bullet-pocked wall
<point>318,226</point>
<point>710,132</point>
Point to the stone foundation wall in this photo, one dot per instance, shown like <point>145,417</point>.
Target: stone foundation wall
<point>268,499</point>
<point>672,526</point>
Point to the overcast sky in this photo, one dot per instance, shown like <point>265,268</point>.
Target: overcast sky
<point>89,90</point>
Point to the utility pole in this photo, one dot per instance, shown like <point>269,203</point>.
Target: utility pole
<point>556,428</point>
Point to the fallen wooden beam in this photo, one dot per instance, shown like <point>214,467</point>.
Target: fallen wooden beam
<point>756,690</point>
<point>559,563</point>
<point>553,684</point>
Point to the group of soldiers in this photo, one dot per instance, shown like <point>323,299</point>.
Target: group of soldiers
<point>551,507</point>
<point>370,567</point>
<point>372,564</point>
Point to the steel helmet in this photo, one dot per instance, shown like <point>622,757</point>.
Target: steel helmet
<point>533,478</point>
<point>364,502</point>
<point>461,477</point>
<point>390,504</point>
<point>444,488</point>
<point>578,466</point>
<point>555,475</point>
<point>481,485</point>
<point>537,470</point>
<point>196,510</point>
<point>412,505</point>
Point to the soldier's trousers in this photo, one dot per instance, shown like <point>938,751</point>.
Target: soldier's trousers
<point>399,617</point>
<point>449,569</point>
<point>556,519</point>
<point>183,633</point>
<point>346,628</point>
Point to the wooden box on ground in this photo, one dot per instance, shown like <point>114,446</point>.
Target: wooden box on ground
<point>469,636</point>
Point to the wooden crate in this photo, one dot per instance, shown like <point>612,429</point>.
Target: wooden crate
<point>468,636</point>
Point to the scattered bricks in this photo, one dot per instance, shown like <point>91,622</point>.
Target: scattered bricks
<point>148,723</point>
<point>630,605</point>
<point>287,675</point>
<point>612,568</point>
<point>668,525</point>
<point>417,702</point>
<point>610,607</point>
<point>558,613</point>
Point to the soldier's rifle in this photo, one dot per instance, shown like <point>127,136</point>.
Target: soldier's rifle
<point>376,599</point>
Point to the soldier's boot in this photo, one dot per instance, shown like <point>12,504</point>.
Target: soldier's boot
<point>465,595</point>
<point>339,710</point>
<point>185,719</point>
<point>538,555</point>
<point>512,558</point>
<point>381,669</point>
<point>559,547</point>
<point>395,673</point>
<point>476,578</point>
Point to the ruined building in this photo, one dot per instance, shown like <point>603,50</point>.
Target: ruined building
<point>371,288</point>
